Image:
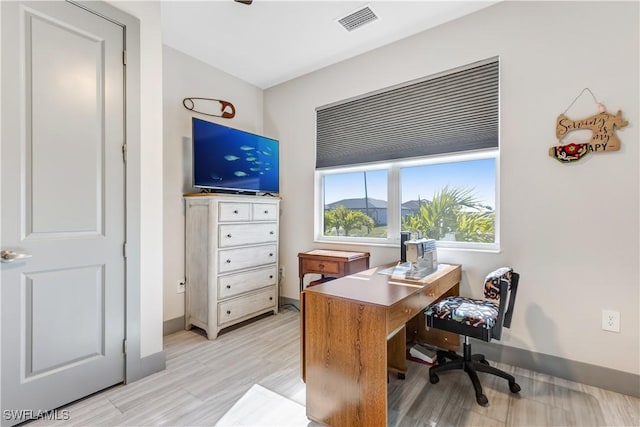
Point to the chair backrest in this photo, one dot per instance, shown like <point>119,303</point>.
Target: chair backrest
<point>502,285</point>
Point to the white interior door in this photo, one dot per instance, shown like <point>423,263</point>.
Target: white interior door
<point>62,204</point>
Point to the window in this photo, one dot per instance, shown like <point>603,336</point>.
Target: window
<point>450,202</point>
<point>419,157</point>
<point>355,204</point>
<point>449,198</point>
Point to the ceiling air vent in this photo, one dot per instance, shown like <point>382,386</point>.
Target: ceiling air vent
<point>358,18</point>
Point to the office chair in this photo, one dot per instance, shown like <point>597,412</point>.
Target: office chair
<point>481,319</point>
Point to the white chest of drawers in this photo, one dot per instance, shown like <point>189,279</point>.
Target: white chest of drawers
<point>231,259</point>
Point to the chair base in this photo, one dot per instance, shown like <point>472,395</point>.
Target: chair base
<point>470,363</point>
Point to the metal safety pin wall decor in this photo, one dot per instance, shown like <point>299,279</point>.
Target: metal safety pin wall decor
<point>190,104</point>
<point>602,126</point>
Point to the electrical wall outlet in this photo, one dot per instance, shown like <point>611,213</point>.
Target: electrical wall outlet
<point>282,272</point>
<point>180,288</point>
<point>611,320</point>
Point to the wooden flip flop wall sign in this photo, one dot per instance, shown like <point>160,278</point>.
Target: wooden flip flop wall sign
<point>603,137</point>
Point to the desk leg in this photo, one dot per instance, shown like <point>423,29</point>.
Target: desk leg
<point>397,353</point>
<point>303,331</point>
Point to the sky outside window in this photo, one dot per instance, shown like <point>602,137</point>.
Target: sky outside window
<point>351,186</point>
<point>423,181</point>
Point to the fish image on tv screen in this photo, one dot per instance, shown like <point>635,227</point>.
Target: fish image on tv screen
<point>230,159</point>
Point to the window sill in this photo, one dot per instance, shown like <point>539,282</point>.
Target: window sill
<point>357,243</point>
<point>492,249</point>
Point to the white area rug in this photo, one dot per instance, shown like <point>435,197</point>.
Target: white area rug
<point>260,407</point>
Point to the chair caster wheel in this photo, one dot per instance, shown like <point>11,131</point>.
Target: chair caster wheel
<point>514,387</point>
<point>434,379</point>
<point>482,400</point>
<point>401,376</point>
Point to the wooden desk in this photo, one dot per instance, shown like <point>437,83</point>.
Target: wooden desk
<point>331,263</point>
<point>345,324</point>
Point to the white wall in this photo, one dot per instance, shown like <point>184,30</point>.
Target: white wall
<point>570,230</point>
<point>185,76</point>
<point>151,172</point>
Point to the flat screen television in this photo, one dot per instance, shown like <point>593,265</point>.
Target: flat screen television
<point>231,160</point>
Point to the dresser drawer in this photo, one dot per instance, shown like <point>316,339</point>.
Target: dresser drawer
<point>230,211</point>
<point>246,234</point>
<point>246,305</point>
<point>241,258</point>
<point>264,211</point>
<point>406,309</point>
<point>235,284</point>
<point>321,267</point>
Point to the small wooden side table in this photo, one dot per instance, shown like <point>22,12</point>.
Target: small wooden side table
<point>331,263</point>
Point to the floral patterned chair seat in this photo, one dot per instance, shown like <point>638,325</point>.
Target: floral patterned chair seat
<point>472,312</point>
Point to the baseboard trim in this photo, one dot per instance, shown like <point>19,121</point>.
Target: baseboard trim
<point>597,376</point>
<point>172,325</point>
<point>284,301</point>
<point>153,363</point>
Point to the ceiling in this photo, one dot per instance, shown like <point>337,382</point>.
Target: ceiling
<point>270,42</point>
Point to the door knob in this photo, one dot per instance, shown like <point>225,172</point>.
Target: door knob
<point>10,256</point>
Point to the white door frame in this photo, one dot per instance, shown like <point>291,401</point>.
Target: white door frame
<point>134,366</point>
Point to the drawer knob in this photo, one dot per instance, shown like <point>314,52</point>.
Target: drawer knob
<point>228,261</point>
<point>271,276</point>
<point>271,254</point>
<point>235,211</point>
<point>271,232</point>
<point>229,235</point>
<point>266,212</point>
<point>228,311</point>
<point>270,298</point>
<point>228,286</point>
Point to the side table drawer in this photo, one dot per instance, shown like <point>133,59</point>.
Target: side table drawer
<point>321,267</point>
<point>246,305</point>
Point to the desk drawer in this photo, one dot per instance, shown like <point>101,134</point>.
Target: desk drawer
<point>321,267</point>
<point>435,290</point>
<point>406,309</point>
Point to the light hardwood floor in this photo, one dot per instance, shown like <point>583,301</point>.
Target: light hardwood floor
<point>205,378</point>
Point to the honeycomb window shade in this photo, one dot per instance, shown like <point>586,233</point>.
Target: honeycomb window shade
<point>452,112</point>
